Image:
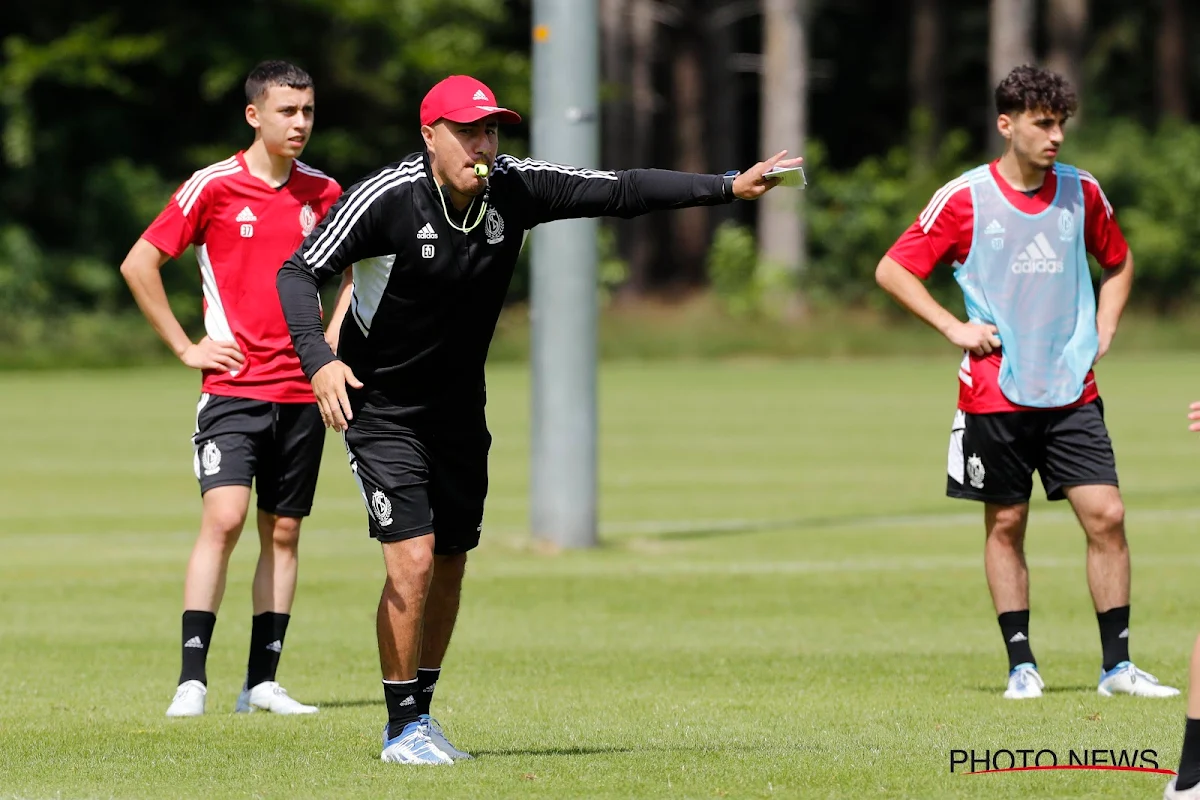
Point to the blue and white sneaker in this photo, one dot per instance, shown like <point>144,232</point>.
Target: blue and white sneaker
<point>438,737</point>
<point>1125,678</point>
<point>412,746</point>
<point>1024,682</point>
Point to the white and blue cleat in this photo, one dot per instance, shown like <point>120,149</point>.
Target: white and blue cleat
<point>1125,678</point>
<point>414,745</point>
<point>438,737</point>
<point>1024,682</point>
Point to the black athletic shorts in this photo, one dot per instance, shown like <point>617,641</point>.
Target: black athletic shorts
<point>240,442</point>
<point>993,456</point>
<point>421,479</point>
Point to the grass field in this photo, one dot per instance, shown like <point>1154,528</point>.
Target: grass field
<point>784,604</point>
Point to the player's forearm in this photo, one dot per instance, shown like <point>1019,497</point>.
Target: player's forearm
<point>910,292</point>
<point>341,303</point>
<point>644,190</point>
<point>141,272</point>
<point>302,309</point>
<point>1115,286</point>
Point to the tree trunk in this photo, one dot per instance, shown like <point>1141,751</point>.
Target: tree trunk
<point>643,251</point>
<point>616,117</point>
<point>689,227</point>
<point>1067,21</point>
<point>1010,45</point>
<point>783,109</point>
<point>1172,63</point>
<point>925,85</point>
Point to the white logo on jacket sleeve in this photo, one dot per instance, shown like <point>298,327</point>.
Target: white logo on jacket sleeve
<point>308,219</point>
<point>493,226</point>
<point>210,458</point>
<point>381,507</point>
<point>975,471</point>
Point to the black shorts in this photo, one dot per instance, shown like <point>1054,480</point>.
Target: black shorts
<point>239,442</point>
<point>992,456</point>
<point>421,480</point>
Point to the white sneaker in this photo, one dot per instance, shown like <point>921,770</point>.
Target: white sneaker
<point>188,700</point>
<point>270,696</point>
<point>1024,683</point>
<point>412,746</point>
<point>1125,678</point>
<point>1171,793</point>
<point>433,729</point>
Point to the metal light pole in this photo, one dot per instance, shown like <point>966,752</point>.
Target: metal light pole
<point>565,131</point>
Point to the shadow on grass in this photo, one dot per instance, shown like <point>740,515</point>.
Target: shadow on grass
<point>998,689</point>
<point>376,701</point>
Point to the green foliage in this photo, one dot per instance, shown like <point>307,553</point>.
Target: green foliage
<point>854,216</point>
<point>1152,179</point>
<point>733,269</point>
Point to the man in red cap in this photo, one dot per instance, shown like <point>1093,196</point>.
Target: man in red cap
<point>434,239</point>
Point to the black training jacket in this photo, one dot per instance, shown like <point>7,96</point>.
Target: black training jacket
<point>426,296</point>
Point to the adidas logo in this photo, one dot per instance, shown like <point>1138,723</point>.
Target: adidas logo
<point>427,232</point>
<point>479,95</point>
<point>1039,256</point>
<point>1123,634</point>
<point>246,215</point>
<point>408,701</point>
<point>275,646</point>
<point>994,228</point>
<point>1019,637</point>
<point>194,642</point>
<point>429,689</point>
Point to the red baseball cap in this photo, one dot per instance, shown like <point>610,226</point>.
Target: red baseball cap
<point>461,98</point>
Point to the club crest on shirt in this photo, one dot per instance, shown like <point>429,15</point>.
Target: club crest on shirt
<point>493,226</point>
<point>975,471</point>
<point>381,507</point>
<point>308,219</point>
<point>210,458</point>
<point>1066,225</point>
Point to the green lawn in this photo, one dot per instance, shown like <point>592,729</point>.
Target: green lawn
<point>785,605</point>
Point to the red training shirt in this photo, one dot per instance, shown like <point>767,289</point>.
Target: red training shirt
<point>243,230</point>
<point>942,234</point>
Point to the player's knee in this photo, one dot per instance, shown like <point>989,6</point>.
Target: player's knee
<point>224,524</point>
<point>286,533</point>
<point>1008,528</point>
<point>1108,522</point>
<point>452,564</point>
<point>411,565</point>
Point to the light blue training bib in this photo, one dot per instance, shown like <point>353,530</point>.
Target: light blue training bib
<point>1028,275</point>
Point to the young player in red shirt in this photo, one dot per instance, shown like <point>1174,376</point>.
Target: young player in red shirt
<point>257,419</point>
<point>1017,232</point>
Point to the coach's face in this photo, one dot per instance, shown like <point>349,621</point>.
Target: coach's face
<point>1035,136</point>
<point>456,147</point>
<point>283,117</point>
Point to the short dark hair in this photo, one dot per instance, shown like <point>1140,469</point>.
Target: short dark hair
<point>1030,88</point>
<point>275,73</point>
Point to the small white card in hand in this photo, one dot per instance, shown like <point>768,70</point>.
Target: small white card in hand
<point>788,176</point>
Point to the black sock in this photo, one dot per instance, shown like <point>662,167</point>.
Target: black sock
<point>266,644</point>
<point>1189,760</point>
<point>1014,625</point>
<point>401,697</point>
<point>426,682</point>
<point>197,635</point>
<point>1114,635</point>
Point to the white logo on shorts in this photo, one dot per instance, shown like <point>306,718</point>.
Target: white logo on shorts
<point>381,507</point>
<point>210,458</point>
<point>975,471</point>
